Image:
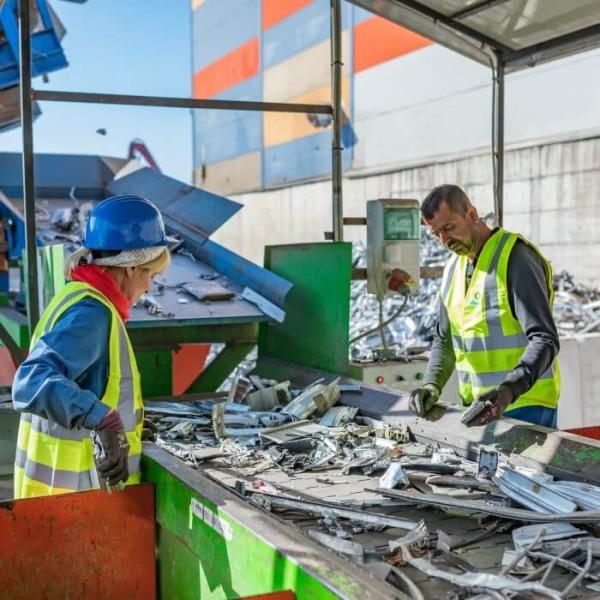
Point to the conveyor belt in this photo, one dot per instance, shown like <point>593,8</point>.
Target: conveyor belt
<point>485,555</point>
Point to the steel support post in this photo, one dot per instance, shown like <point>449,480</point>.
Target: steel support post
<point>33,306</point>
<point>336,136</point>
<point>498,136</point>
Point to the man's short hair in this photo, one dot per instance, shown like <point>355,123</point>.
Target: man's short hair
<point>452,195</point>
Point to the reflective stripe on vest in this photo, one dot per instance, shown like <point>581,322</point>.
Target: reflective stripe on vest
<point>488,340</point>
<point>53,459</point>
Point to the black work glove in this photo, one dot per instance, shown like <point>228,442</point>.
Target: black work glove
<point>149,431</point>
<point>111,451</point>
<point>495,401</point>
<point>422,400</point>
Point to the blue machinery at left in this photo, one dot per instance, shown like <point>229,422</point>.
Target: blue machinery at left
<point>46,54</point>
<point>46,51</point>
<point>246,294</point>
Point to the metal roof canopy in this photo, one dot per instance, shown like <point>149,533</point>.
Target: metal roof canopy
<point>517,33</point>
<point>506,35</point>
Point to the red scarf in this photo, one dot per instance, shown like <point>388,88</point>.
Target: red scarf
<point>100,280</point>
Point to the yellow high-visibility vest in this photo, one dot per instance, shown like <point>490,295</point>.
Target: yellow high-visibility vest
<point>488,340</point>
<point>52,459</point>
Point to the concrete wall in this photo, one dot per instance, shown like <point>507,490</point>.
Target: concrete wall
<point>434,102</point>
<point>552,196</point>
<point>580,389</point>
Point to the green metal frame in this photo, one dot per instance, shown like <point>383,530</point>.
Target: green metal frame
<point>153,347</point>
<point>220,367</point>
<point>233,549</point>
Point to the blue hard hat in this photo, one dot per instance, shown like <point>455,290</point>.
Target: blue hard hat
<point>125,223</point>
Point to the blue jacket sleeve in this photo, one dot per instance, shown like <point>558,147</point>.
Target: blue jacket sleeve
<point>46,383</point>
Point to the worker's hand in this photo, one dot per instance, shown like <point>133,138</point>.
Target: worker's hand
<point>149,431</point>
<point>496,401</point>
<point>421,400</point>
<point>111,450</point>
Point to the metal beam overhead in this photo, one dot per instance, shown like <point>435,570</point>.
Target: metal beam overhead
<point>450,32</point>
<point>167,102</point>
<point>476,8</point>
<point>570,43</point>
<point>427,27</point>
<point>439,17</point>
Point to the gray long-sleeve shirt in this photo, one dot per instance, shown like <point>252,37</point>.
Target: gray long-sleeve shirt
<point>530,305</point>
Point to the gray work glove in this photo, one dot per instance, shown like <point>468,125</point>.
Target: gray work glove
<point>422,400</point>
<point>111,451</point>
<point>494,404</point>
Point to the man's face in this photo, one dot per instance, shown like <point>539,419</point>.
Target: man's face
<point>454,229</point>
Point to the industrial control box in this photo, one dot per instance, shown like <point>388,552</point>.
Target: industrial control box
<point>393,238</point>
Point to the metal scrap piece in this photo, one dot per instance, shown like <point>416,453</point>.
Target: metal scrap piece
<point>268,398</point>
<point>361,457</point>
<point>270,502</point>
<point>218,420</point>
<point>524,536</point>
<point>180,430</point>
<point>172,408</point>
<point>586,496</point>
<point>486,508</point>
<point>348,548</point>
<point>531,493</point>
<point>512,562</point>
<point>488,463</point>
<point>153,306</point>
<point>414,538</point>
<point>291,432</point>
<point>338,415</point>
<point>397,433</point>
<point>430,467</point>
<point>395,475</point>
<point>478,581</point>
<point>316,399</point>
<point>239,389</point>
<point>473,412</point>
<point>470,483</point>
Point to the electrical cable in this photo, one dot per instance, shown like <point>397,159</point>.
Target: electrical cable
<point>381,324</point>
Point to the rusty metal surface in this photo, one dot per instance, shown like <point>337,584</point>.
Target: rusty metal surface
<point>83,545</point>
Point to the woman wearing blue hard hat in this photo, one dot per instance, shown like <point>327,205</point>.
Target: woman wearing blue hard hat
<point>79,389</point>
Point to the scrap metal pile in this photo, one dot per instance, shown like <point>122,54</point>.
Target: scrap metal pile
<point>576,307</point>
<point>266,433</point>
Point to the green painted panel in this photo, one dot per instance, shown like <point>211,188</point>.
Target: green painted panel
<point>197,561</point>
<point>17,326</point>
<point>155,334</point>
<point>315,332</point>
<point>156,371</point>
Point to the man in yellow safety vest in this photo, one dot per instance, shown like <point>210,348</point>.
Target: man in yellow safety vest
<point>495,324</point>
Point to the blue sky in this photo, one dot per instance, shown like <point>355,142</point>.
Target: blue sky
<point>119,46</point>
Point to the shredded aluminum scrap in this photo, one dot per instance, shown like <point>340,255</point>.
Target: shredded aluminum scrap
<point>303,431</point>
